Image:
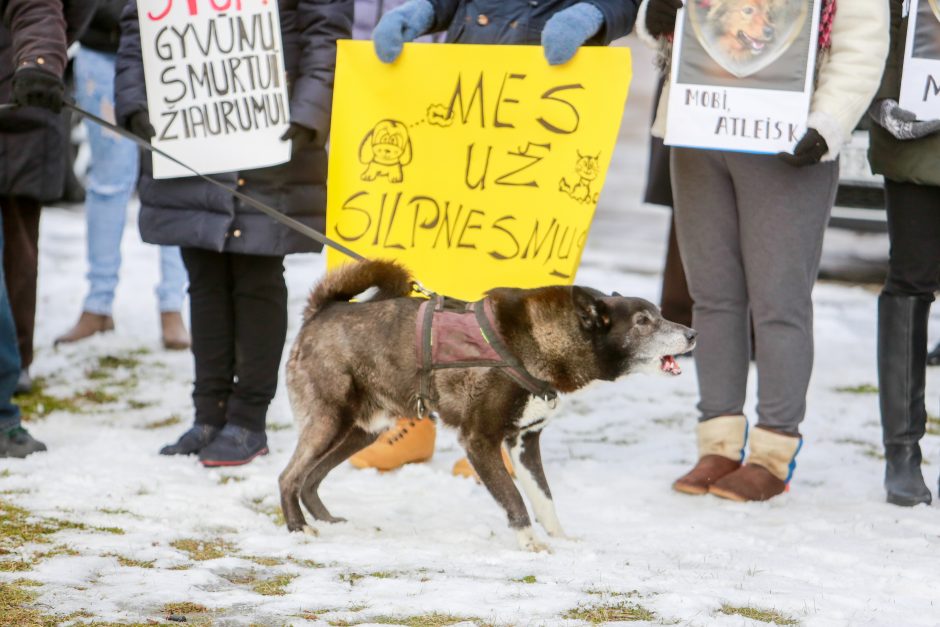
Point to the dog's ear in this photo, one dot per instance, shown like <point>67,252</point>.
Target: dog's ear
<point>365,148</point>
<point>593,313</point>
<point>406,150</point>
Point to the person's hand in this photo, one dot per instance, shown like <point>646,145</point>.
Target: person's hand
<point>901,123</point>
<point>567,30</point>
<point>401,25</point>
<point>808,151</point>
<point>299,135</point>
<point>140,125</point>
<point>661,16</point>
<point>33,87</point>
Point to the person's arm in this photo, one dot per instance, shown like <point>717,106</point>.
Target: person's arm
<point>320,25</point>
<point>444,13</point>
<point>130,89</point>
<point>851,76</point>
<point>38,32</point>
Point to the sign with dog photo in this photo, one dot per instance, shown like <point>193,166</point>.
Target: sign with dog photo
<point>216,90</point>
<point>920,81</point>
<point>742,74</point>
<point>474,165</point>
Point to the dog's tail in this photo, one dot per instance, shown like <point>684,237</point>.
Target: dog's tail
<point>390,279</point>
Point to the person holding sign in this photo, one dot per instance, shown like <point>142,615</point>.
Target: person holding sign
<point>907,152</point>
<point>751,226</point>
<point>561,27</point>
<point>225,64</point>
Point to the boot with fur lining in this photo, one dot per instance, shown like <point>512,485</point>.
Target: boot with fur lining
<point>768,469</point>
<point>720,451</point>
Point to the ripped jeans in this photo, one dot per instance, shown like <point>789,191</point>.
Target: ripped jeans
<point>111,178</point>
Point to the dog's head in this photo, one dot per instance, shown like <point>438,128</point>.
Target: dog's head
<point>388,143</point>
<point>744,26</point>
<point>630,334</point>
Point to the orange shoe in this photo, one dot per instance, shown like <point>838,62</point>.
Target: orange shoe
<point>463,467</point>
<point>410,441</point>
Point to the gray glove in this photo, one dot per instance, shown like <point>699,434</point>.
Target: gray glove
<point>902,124</point>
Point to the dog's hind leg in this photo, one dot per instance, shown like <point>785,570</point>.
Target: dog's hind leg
<point>350,443</point>
<point>316,438</point>
<point>527,458</point>
<point>487,460</point>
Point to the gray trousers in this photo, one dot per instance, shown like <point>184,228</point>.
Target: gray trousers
<point>750,229</point>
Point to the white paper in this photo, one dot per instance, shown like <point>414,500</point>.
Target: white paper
<point>920,79</point>
<point>742,74</point>
<point>216,84</point>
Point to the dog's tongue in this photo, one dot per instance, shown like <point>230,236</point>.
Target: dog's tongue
<point>668,364</point>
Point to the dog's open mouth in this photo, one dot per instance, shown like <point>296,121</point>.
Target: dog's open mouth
<point>755,45</point>
<point>669,365</point>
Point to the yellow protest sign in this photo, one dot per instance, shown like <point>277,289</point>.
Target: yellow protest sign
<point>476,166</point>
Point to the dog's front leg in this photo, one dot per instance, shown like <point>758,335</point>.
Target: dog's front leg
<point>527,458</point>
<point>487,460</point>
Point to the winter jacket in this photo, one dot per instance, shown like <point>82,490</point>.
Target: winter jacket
<point>192,213</point>
<point>34,141</point>
<point>104,32</point>
<point>910,161</point>
<point>521,21</point>
<point>847,74</point>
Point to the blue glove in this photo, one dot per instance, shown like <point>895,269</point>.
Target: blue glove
<point>567,30</point>
<point>401,25</point>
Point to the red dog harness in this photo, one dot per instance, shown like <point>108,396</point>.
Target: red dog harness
<point>451,333</point>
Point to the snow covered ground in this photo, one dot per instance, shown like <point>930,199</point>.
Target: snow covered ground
<point>139,533</point>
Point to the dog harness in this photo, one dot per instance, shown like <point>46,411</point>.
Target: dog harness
<point>451,333</point>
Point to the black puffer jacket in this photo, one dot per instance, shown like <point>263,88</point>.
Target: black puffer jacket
<point>104,32</point>
<point>521,21</point>
<point>192,213</point>
<point>33,141</point>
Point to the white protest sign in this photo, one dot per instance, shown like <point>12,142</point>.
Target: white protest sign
<point>920,80</point>
<point>742,74</point>
<point>216,84</point>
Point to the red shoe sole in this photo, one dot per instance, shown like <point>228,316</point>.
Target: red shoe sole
<point>241,462</point>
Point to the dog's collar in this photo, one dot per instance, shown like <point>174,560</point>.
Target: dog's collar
<point>457,345</point>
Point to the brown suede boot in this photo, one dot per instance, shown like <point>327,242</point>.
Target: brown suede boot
<point>720,448</point>
<point>175,335</point>
<point>767,471</point>
<point>88,324</point>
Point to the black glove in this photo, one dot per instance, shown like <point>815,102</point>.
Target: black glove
<point>661,16</point>
<point>808,151</point>
<point>140,125</point>
<point>299,135</point>
<point>33,87</point>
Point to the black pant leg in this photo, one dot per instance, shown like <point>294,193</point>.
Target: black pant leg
<point>914,230</point>
<point>21,267</point>
<point>213,332</point>
<point>260,298</point>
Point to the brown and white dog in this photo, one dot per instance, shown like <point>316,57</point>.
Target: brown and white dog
<point>742,28</point>
<point>354,367</point>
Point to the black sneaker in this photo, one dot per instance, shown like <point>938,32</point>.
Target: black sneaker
<point>17,442</point>
<point>234,446</point>
<point>197,438</point>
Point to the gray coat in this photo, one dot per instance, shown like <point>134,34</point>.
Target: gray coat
<point>192,213</point>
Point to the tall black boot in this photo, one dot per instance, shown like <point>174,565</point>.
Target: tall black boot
<point>902,365</point>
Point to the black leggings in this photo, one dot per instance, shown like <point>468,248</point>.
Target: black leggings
<point>914,231</point>
<point>238,306</point>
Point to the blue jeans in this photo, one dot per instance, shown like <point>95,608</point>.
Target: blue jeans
<point>111,179</point>
<point>9,355</point>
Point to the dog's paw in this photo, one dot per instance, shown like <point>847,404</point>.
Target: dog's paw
<point>332,519</point>
<point>310,531</point>
<point>528,542</point>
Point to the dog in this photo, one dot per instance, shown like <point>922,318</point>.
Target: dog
<point>385,149</point>
<point>354,366</point>
<point>742,28</point>
<point>587,168</point>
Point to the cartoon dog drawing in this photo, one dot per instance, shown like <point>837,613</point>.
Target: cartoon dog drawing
<point>386,148</point>
<point>742,28</point>
<point>587,169</point>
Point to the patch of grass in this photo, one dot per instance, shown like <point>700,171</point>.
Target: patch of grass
<point>18,527</point>
<point>113,362</point>
<point>184,607</point>
<point>114,512</point>
<point>128,562</point>
<point>173,419</point>
<point>14,566</point>
<point>38,403</point>
<point>279,426</point>
<point>241,577</point>
<point>135,404</point>
<point>351,578</point>
<point>933,425</point>
<point>526,579</point>
<point>755,613</point>
<point>305,563</point>
<point>14,609</point>
<point>56,551</point>
<point>274,586</point>
<point>264,561</point>
<point>608,612</point>
<point>224,479</point>
<point>32,583</point>
<point>112,530</point>
<point>97,396</point>
<point>382,574</point>
<point>202,550</point>
<point>421,620</point>
<point>271,511</point>
<point>862,388</point>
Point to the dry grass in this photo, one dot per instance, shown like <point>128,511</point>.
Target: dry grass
<point>274,586</point>
<point>762,615</point>
<point>202,550</point>
<point>422,620</point>
<point>174,419</point>
<point>608,612</point>
<point>184,607</point>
